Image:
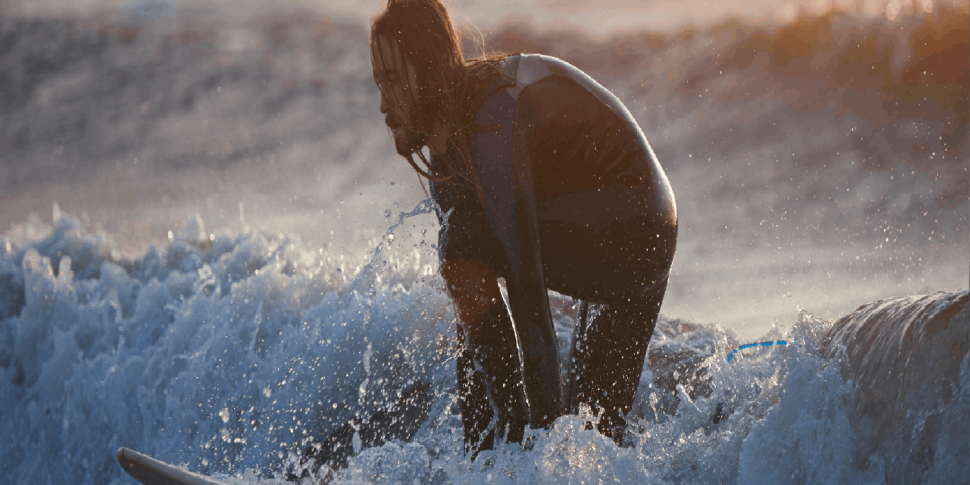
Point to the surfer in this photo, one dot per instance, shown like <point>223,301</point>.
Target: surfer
<point>542,178</point>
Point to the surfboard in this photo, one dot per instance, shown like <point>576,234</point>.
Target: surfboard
<point>150,471</point>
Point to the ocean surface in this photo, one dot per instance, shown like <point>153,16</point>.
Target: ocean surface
<point>229,355</point>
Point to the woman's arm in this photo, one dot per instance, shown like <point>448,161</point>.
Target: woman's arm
<point>510,207</point>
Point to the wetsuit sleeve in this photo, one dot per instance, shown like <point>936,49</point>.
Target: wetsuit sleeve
<point>511,209</point>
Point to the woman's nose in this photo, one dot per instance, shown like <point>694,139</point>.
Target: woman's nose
<point>385,104</point>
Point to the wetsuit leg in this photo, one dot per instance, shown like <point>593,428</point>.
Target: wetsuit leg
<point>623,270</point>
<point>491,383</point>
<point>622,262</point>
<point>476,411</point>
<point>608,358</point>
<point>489,372</point>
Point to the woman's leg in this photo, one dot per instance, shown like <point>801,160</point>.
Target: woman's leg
<point>623,267</point>
<point>489,373</point>
<point>608,357</point>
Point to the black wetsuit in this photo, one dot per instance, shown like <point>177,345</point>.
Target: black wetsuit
<point>574,201</point>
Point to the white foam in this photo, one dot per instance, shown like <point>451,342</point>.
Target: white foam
<point>228,355</point>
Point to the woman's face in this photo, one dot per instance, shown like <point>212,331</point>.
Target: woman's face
<point>397,82</point>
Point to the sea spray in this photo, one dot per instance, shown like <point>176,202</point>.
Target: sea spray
<point>229,355</point>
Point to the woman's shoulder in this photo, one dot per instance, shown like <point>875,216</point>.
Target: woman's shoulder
<point>535,67</point>
<point>521,70</point>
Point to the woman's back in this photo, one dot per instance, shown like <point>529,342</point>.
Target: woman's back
<point>577,136</point>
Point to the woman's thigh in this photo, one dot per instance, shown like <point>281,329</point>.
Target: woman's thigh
<point>598,261</point>
<point>618,260</point>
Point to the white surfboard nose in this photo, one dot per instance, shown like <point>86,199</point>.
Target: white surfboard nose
<point>150,471</point>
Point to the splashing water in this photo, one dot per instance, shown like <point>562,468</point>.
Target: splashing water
<point>229,355</point>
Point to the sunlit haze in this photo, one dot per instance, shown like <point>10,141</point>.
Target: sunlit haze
<point>596,17</point>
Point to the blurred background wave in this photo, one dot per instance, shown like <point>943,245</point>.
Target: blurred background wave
<point>818,150</point>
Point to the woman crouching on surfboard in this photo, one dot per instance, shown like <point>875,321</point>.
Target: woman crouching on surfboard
<point>543,178</point>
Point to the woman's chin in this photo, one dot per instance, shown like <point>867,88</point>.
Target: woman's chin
<point>407,142</point>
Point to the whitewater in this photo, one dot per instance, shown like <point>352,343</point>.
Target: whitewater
<point>228,354</point>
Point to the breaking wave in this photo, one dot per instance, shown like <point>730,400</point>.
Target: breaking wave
<point>229,354</point>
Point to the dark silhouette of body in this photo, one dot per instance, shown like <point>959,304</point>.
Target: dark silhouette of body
<point>544,179</point>
<point>573,200</point>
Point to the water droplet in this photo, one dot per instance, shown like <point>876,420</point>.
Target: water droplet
<point>387,212</point>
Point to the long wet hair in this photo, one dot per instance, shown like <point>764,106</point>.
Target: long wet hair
<point>448,86</point>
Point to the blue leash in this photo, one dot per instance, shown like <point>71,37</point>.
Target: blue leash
<point>719,411</point>
<point>758,344</point>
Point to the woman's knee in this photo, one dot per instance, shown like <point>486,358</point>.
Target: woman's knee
<point>473,286</point>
